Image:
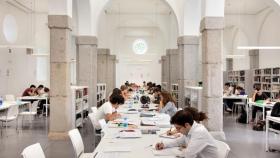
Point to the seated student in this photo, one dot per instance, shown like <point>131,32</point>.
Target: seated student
<point>156,95</point>
<point>228,91</point>
<point>258,95</point>
<point>107,110</point>
<point>39,90</point>
<point>167,104</point>
<point>198,141</point>
<point>46,93</point>
<point>198,116</point>
<point>115,91</point>
<point>29,91</point>
<point>239,91</point>
<point>124,90</point>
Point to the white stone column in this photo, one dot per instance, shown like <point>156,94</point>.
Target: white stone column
<point>102,64</point>
<point>111,72</point>
<point>87,65</point>
<point>188,64</point>
<point>60,97</point>
<point>173,57</point>
<point>212,48</point>
<point>254,58</point>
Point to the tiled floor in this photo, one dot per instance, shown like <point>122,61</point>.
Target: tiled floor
<point>243,141</point>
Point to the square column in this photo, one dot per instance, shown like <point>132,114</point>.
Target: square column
<point>254,58</point>
<point>188,64</point>
<point>60,97</point>
<point>87,65</point>
<point>212,77</point>
<point>173,57</point>
<point>111,72</point>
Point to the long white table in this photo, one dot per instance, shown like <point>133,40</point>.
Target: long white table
<point>7,104</point>
<point>36,98</point>
<point>240,97</point>
<point>139,147</point>
<point>268,119</point>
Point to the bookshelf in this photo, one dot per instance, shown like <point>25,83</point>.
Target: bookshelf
<point>237,77</point>
<point>80,107</point>
<point>268,79</point>
<point>101,94</point>
<point>175,93</point>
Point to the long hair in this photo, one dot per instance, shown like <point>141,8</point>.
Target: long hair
<point>197,115</point>
<point>166,97</point>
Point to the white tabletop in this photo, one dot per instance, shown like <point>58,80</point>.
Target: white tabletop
<point>264,104</point>
<point>7,104</point>
<point>235,97</point>
<point>33,98</point>
<point>139,147</point>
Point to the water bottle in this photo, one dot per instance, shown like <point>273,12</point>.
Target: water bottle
<point>1,101</point>
<point>125,122</point>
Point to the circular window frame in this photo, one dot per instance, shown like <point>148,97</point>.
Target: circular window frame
<point>140,46</point>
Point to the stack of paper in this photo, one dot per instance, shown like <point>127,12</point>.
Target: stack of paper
<point>175,151</point>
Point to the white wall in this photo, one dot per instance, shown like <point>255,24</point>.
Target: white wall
<point>17,69</point>
<point>118,34</point>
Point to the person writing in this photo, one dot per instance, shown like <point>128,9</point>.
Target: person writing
<point>107,110</point>
<point>258,95</point>
<point>198,116</point>
<point>198,141</point>
<point>124,90</point>
<point>167,104</point>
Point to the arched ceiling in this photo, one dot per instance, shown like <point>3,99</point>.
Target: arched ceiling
<point>250,7</point>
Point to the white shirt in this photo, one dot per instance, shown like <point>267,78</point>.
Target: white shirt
<point>200,143</point>
<point>105,109</point>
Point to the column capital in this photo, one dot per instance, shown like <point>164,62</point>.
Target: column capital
<point>188,40</point>
<point>86,40</point>
<point>254,52</point>
<point>212,23</point>
<point>171,51</point>
<point>103,51</point>
<point>113,57</point>
<point>60,22</point>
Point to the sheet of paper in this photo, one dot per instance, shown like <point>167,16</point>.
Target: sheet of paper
<point>174,136</point>
<point>117,149</point>
<point>130,133</point>
<point>176,151</point>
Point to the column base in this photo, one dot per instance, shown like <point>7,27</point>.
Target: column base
<point>219,135</point>
<point>58,136</point>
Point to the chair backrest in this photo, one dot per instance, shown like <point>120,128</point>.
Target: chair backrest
<point>93,120</point>
<point>10,97</point>
<point>33,151</point>
<point>77,141</point>
<point>103,124</point>
<point>34,106</point>
<point>94,109</point>
<point>223,149</point>
<point>12,111</point>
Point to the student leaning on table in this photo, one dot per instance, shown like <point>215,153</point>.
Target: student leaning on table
<point>199,142</point>
<point>107,110</point>
<point>258,95</point>
<point>167,104</point>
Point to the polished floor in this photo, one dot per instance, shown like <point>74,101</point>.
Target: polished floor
<point>243,141</point>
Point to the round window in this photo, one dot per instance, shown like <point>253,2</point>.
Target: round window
<point>140,46</point>
<point>10,28</point>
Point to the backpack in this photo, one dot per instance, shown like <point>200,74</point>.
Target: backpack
<point>259,126</point>
<point>243,117</point>
<point>275,112</point>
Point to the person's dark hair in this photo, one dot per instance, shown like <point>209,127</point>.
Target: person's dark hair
<point>197,115</point>
<point>159,87</point>
<point>181,117</point>
<point>144,99</point>
<point>116,91</point>
<point>116,99</point>
<point>46,89</point>
<point>239,88</point>
<point>257,88</point>
<point>166,97</point>
<point>156,90</point>
<point>32,86</point>
<point>227,84</point>
<point>40,86</point>
<point>123,87</point>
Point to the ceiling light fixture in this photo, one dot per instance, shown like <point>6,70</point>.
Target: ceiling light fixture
<point>258,47</point>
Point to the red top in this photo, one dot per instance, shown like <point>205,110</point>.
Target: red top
<point>26,91</point>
